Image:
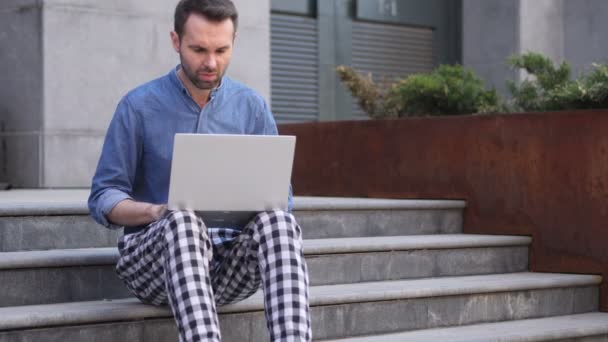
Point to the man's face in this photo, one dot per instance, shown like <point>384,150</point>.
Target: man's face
<point>204,49</point>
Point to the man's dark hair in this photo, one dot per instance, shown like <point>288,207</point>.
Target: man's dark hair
<point>214,10</point>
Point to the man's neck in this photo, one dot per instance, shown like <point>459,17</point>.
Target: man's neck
<point>200,96</point>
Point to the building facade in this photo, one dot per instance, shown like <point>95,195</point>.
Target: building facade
<point>66,63</point>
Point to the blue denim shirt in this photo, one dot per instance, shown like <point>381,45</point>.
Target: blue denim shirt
<point>135,161</point>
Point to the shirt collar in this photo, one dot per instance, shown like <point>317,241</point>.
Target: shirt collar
<point>177,82</point>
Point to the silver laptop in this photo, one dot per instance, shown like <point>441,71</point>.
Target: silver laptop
<point>227,179</point>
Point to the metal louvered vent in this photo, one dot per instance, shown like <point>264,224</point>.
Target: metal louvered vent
<point>390,52</point>
<point>294,78</point>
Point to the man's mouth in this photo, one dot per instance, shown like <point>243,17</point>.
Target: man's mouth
<point>207,76</point>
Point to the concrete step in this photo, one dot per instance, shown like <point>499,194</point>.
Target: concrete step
<point>43,277</point>
<point>338,311</point>
<point>589,327</point>
<point>58,219</point>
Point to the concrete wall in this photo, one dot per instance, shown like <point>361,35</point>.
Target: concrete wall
<point>570,30</point>
<point>70,61</point>
<point>585,32</point>
<point>541,27</point>
<point>490,34</point>
<point>251,57</point>
<point>21,81</point>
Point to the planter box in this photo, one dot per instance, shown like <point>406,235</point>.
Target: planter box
<point>538,174</point>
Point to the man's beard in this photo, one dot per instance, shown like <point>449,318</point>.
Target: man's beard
<point>200,84</point>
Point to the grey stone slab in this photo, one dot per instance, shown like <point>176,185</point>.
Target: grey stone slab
<point>523,288</point>
<point>338,223</point>
<point>79,232</point>
<point>252,46</point>
<point>132,331</point>
<point>334,269</point>
<point>481,260</point>
<point>21,72</point>
<point>57,285</point>
<point>246,327</point>
<point>437,244</point>
<point>306,203</point>
<point>461,310</point>
<point>127,8</point>
<point>490,30</point>
<point>448,286</point>
<point>36,202</point>
<point>56,258</point>
<point>587,327</point>
<point>584,32</point>
<point>11,5</point>
<point>256,38</point>
<point>495,75</point>
<point>586,299</point>
<point>115,63</point>
<point>33,201</point>
<point>394,265</point>
<point>351,319</point>
<point>42,277</point>
<point>160,330</point>
<point>385,316</point>
<point>542,28</point>
<point>332,318</point>
<point>47,232</point>
<point>20,157</point>
<point>407,242</point>
<point>490,34</point>
<point>603,338</point>
<point>365,318</point>
<point>50,232</point>
<point>336,321</point>
<point>70,160</point>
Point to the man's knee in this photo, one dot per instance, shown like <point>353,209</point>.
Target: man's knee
<point>179,221</point>
<point>277,221</point>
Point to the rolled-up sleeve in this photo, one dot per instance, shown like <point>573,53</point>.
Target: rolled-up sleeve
<point>115,174</point>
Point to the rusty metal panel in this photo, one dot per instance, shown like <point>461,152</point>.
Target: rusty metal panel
<point>541,174</point>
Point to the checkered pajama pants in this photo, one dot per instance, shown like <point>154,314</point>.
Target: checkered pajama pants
<point>175,262</point>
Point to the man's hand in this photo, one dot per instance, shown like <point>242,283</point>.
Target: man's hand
<point>131,213</point>
<point>157,211</point>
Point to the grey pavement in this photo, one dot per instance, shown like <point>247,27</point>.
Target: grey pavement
<point>591,326</point>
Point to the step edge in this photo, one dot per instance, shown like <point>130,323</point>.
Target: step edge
<point>593,329</point>
<point>110,255</point>
<point>300,204</point>
<point>415,242</point>
<point>65,314</point>
<point>536,281</point>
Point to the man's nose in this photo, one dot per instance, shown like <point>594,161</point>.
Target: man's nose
<point>210,62</point>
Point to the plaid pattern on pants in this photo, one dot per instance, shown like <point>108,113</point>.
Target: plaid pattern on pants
<point>175,262</point>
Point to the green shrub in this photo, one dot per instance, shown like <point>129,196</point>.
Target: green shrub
<point>448,90</point>
<point>454,90</point>
<point>369,95</point>
<point>551,88</point>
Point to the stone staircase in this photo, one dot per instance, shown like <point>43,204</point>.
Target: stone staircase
<point>381,270</point>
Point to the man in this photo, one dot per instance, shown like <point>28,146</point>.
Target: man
<point>172,257</point>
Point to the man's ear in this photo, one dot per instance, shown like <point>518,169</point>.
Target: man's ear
<point>175,41</point>
<point>234,37</point>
